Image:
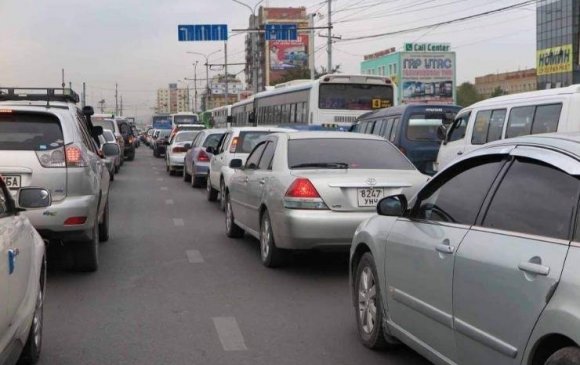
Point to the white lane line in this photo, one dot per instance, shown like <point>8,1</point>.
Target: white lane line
<point>194,257</point>
<point>159,179</point>
<point>178,222</point>
<point>229,333</point>
<point>169,201</point>
<point>164,188</point>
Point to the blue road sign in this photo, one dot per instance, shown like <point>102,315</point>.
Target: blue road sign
<point>281,32</point>
<point>202,32</point>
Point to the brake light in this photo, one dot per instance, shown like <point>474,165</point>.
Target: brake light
<point>131,139</point>
<point>179,150</point>
<point>75,221</point>
<point>74,156</point>
<point>52,158</point>
<point>303,195</point>
<point>202,156</point>
<point>5,110</point>
<point>234,144</point>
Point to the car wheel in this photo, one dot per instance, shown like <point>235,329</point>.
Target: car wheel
<point>197,182</point>
<point>369,308</point>
<point>104,226</point>
<point>186,176</point>
<point>117,167</point>
<point>31,352</point>
<point>155,153</point>
<point>111,175</point>
<point>86,254</point>
<point>211,192</point>
<point>271,255</point>
<point>131,156</point>
<point>565,356</point>
<point>232,229</point>
<point>222,195</point>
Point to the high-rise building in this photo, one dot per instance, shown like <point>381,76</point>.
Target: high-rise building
<point>267,62</point>
<point>558,43</point>
<point>173,100</point>
<point>217,95</point>
<point>509,82</point>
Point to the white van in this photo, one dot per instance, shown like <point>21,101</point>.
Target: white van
<point>545,111</point>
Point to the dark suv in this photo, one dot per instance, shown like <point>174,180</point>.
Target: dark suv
<point>129,138</point>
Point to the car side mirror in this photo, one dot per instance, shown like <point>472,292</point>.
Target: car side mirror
<point>111,149</point>
<point>97,131</point>
<point>88,111</point>
<point>441,132</point>
<point>392,206</point>
<point>211,149</point>
<point>187,146</point>
<point>34,198</point>
<point>236,163</point>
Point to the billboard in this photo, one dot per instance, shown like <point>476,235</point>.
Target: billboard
<point>427,77</point>
<point>287,55</point>
<point>554,60</point>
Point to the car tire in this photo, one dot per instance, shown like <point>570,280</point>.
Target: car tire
<point>232,229</point>
<point>104,226</point>
<point>86,253</point>
<point>117,168</point>
<point>186,176</point>
<point>565,356</point>
<point>197,182</point>
<point>212,193</point>
<point>131,156</point>
<point>222,195</point>
<point>368,294</point>
<point>31,352</point>
<point>271,255</point>
<point>155,153</point>
<point>111,176</point>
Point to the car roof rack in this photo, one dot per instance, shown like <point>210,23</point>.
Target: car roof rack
<point>47,94</point>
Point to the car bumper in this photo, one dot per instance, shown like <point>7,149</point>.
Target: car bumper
<point>176,160</point>
<point>307,229</point>
<point>201,170</point>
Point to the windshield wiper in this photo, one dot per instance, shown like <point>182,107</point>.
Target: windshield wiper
<point>325,165</point>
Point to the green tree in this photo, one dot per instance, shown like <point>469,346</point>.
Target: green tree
<point>467,94</point>
<point>498,91</point>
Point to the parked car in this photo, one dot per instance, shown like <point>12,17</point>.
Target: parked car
<point>312,189</point>
<point>175,153</point>
<point>197,158</point>
<point>107,121</point>
<point>45,141</point>
<point>160,141</point>
<point>481,266</point>
<point>544,111</point>
<point>110,139</point>
<point>128,138</point>
<point>416,129</point>
<point>22,277</point>
<point>235,143</point>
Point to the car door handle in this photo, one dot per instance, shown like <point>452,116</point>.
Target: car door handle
<point>460,153</point>
<point>533,268</point>
<point>246,179</point>
<point>446,249</point>
<point>262,181</point>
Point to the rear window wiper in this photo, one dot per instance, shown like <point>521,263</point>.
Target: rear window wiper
<point>326,165</point>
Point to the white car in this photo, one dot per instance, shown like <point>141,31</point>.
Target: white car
<point>22,277</point>
<point>175,151</point>
<point>236,143</point>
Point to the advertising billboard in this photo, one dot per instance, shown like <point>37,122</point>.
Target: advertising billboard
<point>287,55</point>
<point>427,77</point>
<point>554,60</point>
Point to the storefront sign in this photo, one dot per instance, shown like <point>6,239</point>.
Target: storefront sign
<point>380,54</point>
<point>287,55</point>
<point>554,60</point>
<point>427,47</point>
<point>428,77</point>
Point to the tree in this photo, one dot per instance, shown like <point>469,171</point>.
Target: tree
<point>498,91</point>
<point>467,94</point>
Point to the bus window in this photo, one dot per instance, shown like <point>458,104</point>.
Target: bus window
<point>355,96</point>
<point>378,130</point>
<point>458,128</point>
<point>395,130</point>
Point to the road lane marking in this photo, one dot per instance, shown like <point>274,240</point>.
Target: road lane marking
<point>178,222</point>
<point>229,333</point>
<point>164,188</point>
<point>194,257</point>
<point>169,201</point>
<point>159,179</point>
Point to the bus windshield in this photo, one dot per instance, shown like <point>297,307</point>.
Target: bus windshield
<point>355,96</point>
<point>185,119</point>
<point>161,122</point>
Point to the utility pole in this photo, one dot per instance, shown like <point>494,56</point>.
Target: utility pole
<point>84,99</point>
<point>195,87</point>
<point>121,107</point>
<point>226,70</point>
<point>62,76</point>
<point>116,100</point>
<point>311,48</point>
<point>329,39</point>
<point>70,85</point>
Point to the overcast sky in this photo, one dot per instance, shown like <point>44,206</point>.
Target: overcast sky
<point>134,42</point>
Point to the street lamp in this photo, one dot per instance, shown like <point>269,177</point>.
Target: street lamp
<point>206,69</point>
<point>254,51</point>
<point>194,85</point>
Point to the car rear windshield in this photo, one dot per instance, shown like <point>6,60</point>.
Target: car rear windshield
<point>424,126</point>
<point>348,153</point>
<point>212,140</point>
<point>30,132</point>
<point>109,136</point>
<point>185,136</point>
<point>106,124</point>
<point>248,140</point>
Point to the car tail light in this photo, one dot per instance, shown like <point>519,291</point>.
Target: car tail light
<point>179,150</point>
<point>234,144</point>
<point>131,139</point>
<point>74,156</point>
<point>202,156</point>
<point>52,158</point>
<point>403,150</point>
<point>303,195</point>
<point>75,221</point>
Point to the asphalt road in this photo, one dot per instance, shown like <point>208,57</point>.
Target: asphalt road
<point>173,289</point>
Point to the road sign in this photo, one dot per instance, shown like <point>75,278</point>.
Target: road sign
<point>202,32</point>
<point>281,32</point>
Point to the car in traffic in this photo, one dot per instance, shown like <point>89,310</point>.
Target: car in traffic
<point>235,143</point>
<point>197,157</point>
<point>22,276</point>
<point>160,141</point>
<point>175,151</point>
<point>110,152</point>
<point>45,141</point>
<point>128,138</point>
<point>480,267</point>
<point>107,121</point>
<point>310,190</point>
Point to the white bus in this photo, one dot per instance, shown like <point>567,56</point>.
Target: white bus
<point>219,116</point>
<point>183,118</point>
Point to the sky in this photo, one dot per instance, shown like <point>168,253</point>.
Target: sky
<point>134,42</point>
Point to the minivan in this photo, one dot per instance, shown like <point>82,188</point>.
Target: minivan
<point>545,111</point>
<point>415,129</point>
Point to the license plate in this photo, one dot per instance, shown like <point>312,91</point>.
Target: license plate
<point>369,197</point>
<point>11,181</point>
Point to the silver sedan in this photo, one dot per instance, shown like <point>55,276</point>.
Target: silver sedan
<point>481,267</point>
<point>305,190</point>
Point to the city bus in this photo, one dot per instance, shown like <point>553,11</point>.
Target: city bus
<point>183,118</point>
<point>162,121</point>
<point>219,117</point>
